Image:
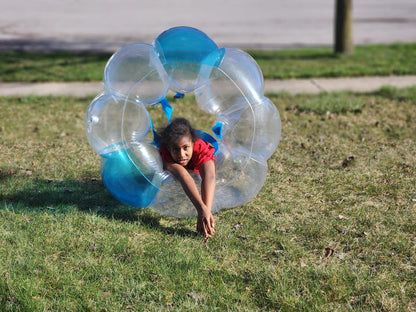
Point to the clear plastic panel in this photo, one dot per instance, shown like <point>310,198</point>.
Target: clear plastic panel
<point>103,123</point>
<point>268,128</point>
<point>231,81</point>
<point>218,94</point>
<point>172,200</point>
<point>135,123</point>
<point>136,72</point>
<point>186,77</point>
<point>239,180</point>
<point>237,132</point>
<point>149,90</point>
<point>146,158</point>
<point>243,70</point>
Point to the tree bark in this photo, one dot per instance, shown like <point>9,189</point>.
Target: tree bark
<point>344,42</point>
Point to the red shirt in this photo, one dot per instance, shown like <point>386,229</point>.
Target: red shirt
<point>202,153</point>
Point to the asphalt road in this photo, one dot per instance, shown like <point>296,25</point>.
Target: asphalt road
<point>109,25</point>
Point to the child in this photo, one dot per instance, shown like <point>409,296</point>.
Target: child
<point>181,150</point>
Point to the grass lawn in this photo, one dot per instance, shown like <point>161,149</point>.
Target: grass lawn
<point>332,229</point>
<point>370,60</point>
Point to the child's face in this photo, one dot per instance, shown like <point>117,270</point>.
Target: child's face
<point>181,151</point>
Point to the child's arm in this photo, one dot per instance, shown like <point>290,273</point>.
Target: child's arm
<point>202,204</point>
<point>207,172</point>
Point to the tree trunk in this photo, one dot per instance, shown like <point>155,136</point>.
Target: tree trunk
<point>344,42</point>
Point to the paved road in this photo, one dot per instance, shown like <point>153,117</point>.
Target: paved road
<point>109,25</point>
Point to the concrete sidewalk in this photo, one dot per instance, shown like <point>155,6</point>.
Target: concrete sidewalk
<point>293,86</point>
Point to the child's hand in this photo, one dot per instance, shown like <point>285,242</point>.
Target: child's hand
<point>205,225</point>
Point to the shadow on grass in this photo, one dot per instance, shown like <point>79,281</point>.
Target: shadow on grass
<point>89,196</point>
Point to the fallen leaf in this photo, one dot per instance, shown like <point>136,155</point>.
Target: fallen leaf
<point>329,252</point>
<point>193,295</point>
<point>348,161</point>
<point>278,252</point>
<point>238,226</point>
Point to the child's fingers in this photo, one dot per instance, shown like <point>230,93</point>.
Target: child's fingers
<point>200,228</point>
<point>209,227</point>
<point>205,227</point>
<point>206,238</point>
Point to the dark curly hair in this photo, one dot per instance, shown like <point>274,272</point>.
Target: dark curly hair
<point>177,129</point>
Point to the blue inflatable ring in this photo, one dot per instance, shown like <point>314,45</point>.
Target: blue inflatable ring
<point>226,82</point>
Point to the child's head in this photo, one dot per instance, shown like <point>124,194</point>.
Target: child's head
<point>179,138</point>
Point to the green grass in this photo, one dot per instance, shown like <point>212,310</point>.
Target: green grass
<point>332,229</point>
<point>370,60</point>
<point>51,66</point>
<point>391,59</point>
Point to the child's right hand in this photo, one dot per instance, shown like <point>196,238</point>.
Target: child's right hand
<point>205,225</point>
